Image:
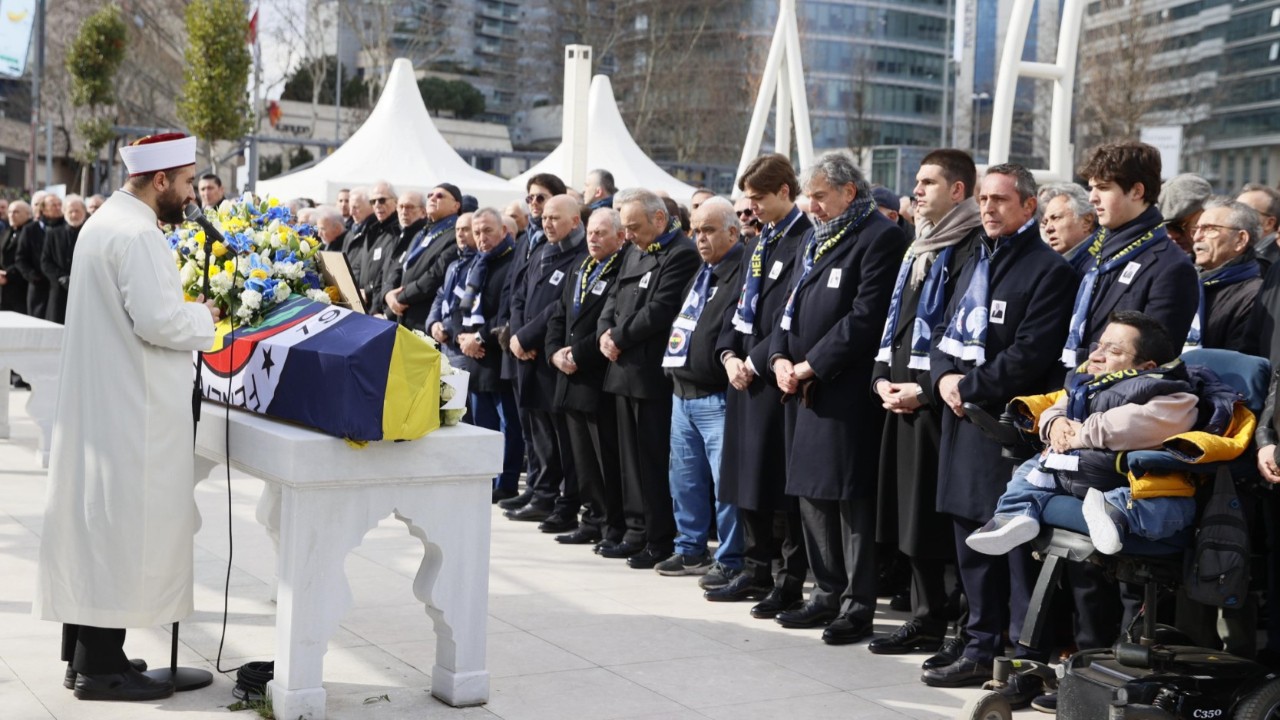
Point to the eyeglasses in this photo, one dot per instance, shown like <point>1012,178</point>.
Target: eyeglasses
<point>747,212</point>
<point>437,196</point>
<point>407,206</point>
<point>1110,350</point>
<point>378,200</point>
<point>1217,229</point>
<point>538,198</point>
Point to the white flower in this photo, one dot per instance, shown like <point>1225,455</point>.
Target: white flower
<point>290,271</point>
<point>319,296</point>
<point>220,283</point>
<point>251,299</point>
<point>282,292</point>
<point>188,273</point>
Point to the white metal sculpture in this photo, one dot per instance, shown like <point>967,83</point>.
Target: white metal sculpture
<point>577,83</point>
<point>1062,73</point>
<point>784,79</point>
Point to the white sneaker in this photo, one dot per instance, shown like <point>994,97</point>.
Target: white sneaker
<point>1102,529</point>
<point>1003,533</point>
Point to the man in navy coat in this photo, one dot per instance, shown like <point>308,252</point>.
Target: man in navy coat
<point>998,339</point>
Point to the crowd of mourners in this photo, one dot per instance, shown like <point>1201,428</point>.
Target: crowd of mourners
<point>760,391</point>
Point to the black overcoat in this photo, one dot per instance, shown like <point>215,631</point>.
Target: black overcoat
<point>581,390</point>
<point>834,443</point>
<point>421,278</point>
<point>486,373</point>
<point>13,294</point>
<point>641,306</point>
<point>1023,352</point>
<point>549,271</point>
<point>1229,317</point>
<point>513,317</point>
<point>753,463</point>
<point>55,262</point>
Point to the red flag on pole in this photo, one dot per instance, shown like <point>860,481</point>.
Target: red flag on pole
<point>253,27</point>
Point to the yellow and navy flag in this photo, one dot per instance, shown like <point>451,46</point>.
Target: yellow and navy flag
<point>343,373</point>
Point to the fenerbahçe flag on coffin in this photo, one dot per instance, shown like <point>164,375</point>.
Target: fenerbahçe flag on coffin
<point>343,373</point>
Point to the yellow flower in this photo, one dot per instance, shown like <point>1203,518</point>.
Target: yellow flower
<point>272,202</point>
<point>219,249</point>
<point>332,292</point>
<point>259,274</point>
<point>199,238</point>
<point>229,267</point>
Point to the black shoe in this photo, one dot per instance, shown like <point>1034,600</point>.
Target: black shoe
<point>620,550</point>
<point>1020,690</point>
<point>69,679</point>
<point>605,545</point>
<point>961,673</point>
<point>499,494</point>
<point>558,524</point>
<point>911,637</point>
<point>128,685</point>
<point>846,630</point>
<point>743,586</point>
<point>1046,704</point>
<point>808,615</point>
<point>951,651</point>
<point>647,559</point>
<point>581,536</point>
<point>528,513</point>
<point>773,603</point>
<point>517,501</point>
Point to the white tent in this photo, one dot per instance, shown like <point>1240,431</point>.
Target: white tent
<point>610,147</point>
<point>398,143</point>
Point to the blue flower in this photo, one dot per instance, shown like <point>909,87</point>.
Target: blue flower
<point>279,212</point>
<point>311,280</point>
<point>173,241</point>
<point>306,230</point>
<point>286,256</point>
<point>256,263</point>
<point>256,285</point>
<point>240,243</point>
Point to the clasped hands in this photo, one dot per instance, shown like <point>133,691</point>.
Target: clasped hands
<point>790,375</point>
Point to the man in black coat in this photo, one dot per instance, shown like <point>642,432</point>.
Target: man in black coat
<point>698,406</point>
<point>753,466</point>
<point>493,402</point>
<point>360,236</point>
<point>55,257</point>
<point>31,247</point>
<point>13,286</point>
<point>411,231</point>
<point>380,245</point>
<point>1230,275</point>
<point>411,284</point>
<point>590,414</point>
<point>947,226</point>
<point>997,340</point>
<point>555,501</point>
<point>822,355</point>
<point>633,331</point>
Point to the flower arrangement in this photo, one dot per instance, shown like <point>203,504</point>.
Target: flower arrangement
<point>263,261</point>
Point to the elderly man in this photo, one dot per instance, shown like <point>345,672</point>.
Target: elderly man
<point>410,285</point>
<point>747,220</point>
<point>753,467</point>
<point>599,190</point>
<point>633,331</point>
<point>13,286</point>
<point>995,341</point>
<point>31,247</point>
<point>1181,201</point>
<point>555,501</point>
<point>1265,200</point>
<point>411,216</point>
<point>445,319</point>
<point>821,355</point>
<point>364,230</point>
<point>330,226</point>
<point>516,212</point>
<point>55,258</point>
<point>344,207</point>
<point>698,405</point>
<point>949,227</point>
<point>590,414</point>
<point>1230,277</point>
<point>93,203</point>
<point>381,242</point>
<point>1068,222</point>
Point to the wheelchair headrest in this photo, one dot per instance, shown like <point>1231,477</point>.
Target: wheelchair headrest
<point>1247,374</point>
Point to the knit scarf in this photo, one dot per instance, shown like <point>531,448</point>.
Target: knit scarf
<point>825,238</point>
<point>1236,271</point>
<point>472,297</point>
<point>744,317</point>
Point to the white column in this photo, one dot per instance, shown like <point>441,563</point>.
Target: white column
<point>577,83</point>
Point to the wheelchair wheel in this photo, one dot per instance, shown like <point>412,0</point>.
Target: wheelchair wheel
<point>1261,704</point>
<point>987,706</point>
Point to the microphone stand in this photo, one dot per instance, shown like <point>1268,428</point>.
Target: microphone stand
<point>184,678</point>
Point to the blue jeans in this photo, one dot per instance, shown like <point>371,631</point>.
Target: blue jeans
<point>497,411</point>
<point>1151,518</point>
<point>697,436</point>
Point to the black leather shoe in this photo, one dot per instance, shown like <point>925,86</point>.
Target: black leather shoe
<point>69,679</point>
<point>620,550</point>
<point>961,673</point>
<point>951,651</point>
<point>743,586</point>
<point>846,630</point>
<point>581,536</point>
<point>1020,690</point>
<point>528,513</point>
<point>808,615</point>
<point>647,558</point>
<point>517,502</point>
<point>558,524</point>
<point>605,545</point>
<point>499,495</point>
<point>911,637</point>
<point>773,603</point>
<point>126,686</point>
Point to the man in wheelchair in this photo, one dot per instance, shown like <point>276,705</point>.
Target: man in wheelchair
<point>1133,393</point>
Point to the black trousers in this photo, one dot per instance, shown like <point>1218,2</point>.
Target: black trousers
<point>929,592</point>
<point>840,538</point>
<point>593,439</point>
<point>644,445</point>
<point>555,486</point>
<point>1096,599</point>
<point>38,299</point>
<point>763,544</point>
<point>94,650</point>
<point>999,591</point>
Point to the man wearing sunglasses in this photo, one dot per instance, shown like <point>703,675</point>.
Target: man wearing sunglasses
<point>381,243</point>
<point>412,280</point>
<point>747,219</point>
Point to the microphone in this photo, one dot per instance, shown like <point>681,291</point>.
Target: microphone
<point>195,215</point>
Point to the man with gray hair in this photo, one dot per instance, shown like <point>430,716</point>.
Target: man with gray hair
<point>634,326</point>
<point>1067,221</point>
<point>93,203</point>
<point>1230,277</point>
<point>55,257</point>
<point>821,355</point>
<point>333,231</point>
<point>1266,200</point>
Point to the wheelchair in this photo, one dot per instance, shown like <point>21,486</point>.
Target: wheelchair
<point>1156,672</point>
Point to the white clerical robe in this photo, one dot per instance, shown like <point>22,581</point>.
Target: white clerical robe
<point>120,516</point>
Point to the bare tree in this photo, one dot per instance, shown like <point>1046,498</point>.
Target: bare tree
<point>1116,68</point>
<point>385,30</point>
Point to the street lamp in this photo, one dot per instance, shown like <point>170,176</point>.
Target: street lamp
<point>977,105</point>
